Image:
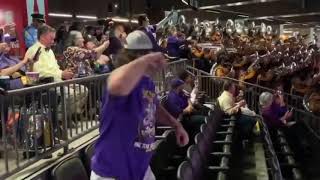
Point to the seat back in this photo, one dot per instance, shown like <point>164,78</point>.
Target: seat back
<point>185,171</point>
<point>160,158</point>
<point>196,161</point>
<point>88,153</point>
<point>70,168</point>
<point>203,146</point>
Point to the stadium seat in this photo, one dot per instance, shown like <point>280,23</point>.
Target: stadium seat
<point>194,156</point>
<point>185,171</point>
<point>88,153</point>
<point>70,168</point>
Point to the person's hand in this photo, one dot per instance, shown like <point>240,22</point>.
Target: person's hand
<point>25,60</point>
<point>288,115</point>
<point>189,109</point>
<point>104,38</point>
<point>123,35</point>
<point>155,61</point>
<point>67,74</point>
<point>3,47</point>
<point>182,136</point>
<point>106,44</point>
<point>242,103</point>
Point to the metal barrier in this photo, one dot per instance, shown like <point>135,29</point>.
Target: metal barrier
<point>163,78</point>
<point>213,86</point>
<point>37,121</point>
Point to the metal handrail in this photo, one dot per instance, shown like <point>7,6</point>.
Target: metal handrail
<point>298,110</point>
<point>50,99</point>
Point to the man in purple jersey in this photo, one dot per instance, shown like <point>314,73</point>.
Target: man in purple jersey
<point>130,110</point>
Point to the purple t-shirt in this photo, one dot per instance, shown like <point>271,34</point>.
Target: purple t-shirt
<point>114,47</point>
<point>176,103</point>
<point>127,130</point>
<point>173,46</point>
<point>7,61</point>
<point>272,115</point>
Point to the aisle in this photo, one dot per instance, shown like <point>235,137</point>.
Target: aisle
<point>249,163</point>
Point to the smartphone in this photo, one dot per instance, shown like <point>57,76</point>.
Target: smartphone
<point>36,56</point>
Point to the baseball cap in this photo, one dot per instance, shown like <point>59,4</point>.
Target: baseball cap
<point>39,17</point>
<point>138,40</point>
<point>176,83</point>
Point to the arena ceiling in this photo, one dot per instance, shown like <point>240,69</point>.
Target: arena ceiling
<point>292,12</point>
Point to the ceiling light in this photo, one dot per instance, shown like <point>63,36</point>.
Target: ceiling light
<point>86,17</point>
<point>213,11</point>
<point>269,20</point>
<point>120,19</point>
<point>116,6</point>
<point>124,20</point>
<point>287,32</point>
<point>60,15</point>
<point>288,22</point>
<point>244,16</point>
<point>185,2</point>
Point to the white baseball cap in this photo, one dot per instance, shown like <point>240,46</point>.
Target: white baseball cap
<point>138,40</point>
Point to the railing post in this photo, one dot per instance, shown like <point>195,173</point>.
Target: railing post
<point>64,120</point>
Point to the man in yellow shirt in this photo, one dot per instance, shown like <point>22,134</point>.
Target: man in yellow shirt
<point>227,100</point>
<point>46,64</point>
<point>245,117</point>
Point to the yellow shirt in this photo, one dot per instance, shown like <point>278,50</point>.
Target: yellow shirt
<point>226,102</point>
<point>47,64</point>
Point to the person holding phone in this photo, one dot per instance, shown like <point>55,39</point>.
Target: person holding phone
<point>274,110</point>
<point>277,116</point>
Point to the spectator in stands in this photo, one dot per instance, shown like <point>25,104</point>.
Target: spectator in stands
<point>129,112</point>
<point>31,32</point>
<point>116,38</point>
<point>98,33</point>
<point>178,102</point>
<point>47,64</point>
<point>90,31</point>
<point>13,67</point>
<point>274,110</point>
<point>60,40</point>
<point>76,26</point>
<point>223,66</point>
<point>188,79</point>
<point>150,30</point>
<point>108,26</point>
<point>174,46</point>
<point>277,117</point>
<point>77,56</point>
<point>227,101</point>
<point>48,67</point>
<point>103,63</point>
